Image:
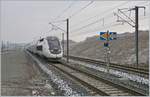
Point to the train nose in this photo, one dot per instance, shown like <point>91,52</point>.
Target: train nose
<point>55,51</point>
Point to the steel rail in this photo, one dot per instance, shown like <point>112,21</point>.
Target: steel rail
<point>102,93</point>
<point>87,73</point>
<point>113,65</point>
<point>109,87</point>
<point>90,87</point>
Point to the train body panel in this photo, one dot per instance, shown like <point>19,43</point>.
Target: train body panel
<point>49,47</point>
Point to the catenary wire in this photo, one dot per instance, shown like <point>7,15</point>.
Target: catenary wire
<point>88,24</point>
<point>84,7</point>
<point>106,11</point>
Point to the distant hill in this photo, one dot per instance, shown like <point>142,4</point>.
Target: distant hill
<point>71,44</point>
<point>122,49</point>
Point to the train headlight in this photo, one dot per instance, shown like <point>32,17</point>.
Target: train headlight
<point>59,50</point>
<point>51,50</point>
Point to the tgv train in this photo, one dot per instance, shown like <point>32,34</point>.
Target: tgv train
<point>49,47</point>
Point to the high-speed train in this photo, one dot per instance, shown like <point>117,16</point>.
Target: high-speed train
<point>49,47</point>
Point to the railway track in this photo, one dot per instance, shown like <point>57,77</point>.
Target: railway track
<point>100,86</point>
<point>96,85</point>
<point>141,71</point>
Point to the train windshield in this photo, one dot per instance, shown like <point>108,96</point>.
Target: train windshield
<point>53,42</point>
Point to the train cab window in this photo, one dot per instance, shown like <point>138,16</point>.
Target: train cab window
<point>54,43</point>
<point>40,48</point>
<point>41,39</point>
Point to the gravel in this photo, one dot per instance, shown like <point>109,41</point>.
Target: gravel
<point>66,85</point>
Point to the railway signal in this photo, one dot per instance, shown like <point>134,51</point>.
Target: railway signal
<point>106,44</point>
<point>107,36</point>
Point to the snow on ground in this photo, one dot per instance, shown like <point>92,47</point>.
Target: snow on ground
<point>117,73</point>
<point>62,85</point>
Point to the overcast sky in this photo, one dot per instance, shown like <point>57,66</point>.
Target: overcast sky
<point>25,21</point>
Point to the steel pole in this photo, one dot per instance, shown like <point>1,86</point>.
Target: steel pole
<point>68,40</point>
<point>63,43</point>
<point>108,63</point>
<point>136,34</point>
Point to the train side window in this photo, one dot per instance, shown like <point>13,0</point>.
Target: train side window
<point>40,48</point>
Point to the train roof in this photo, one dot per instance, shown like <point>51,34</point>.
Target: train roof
<point>52,37</point>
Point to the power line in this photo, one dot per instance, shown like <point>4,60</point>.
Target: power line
<point>65,10</point>
<point>57,27</point>
<point>103,27</point>
<point>96,29</point>
<point>123,20</point>
<point>60,16</point>
<point>108,26</point>
<point>77,12</point>
<point>106,11</point>
<point>86,7</point>
<point>85,26</point>
<point>72,14</point>
<point>90,23</point>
